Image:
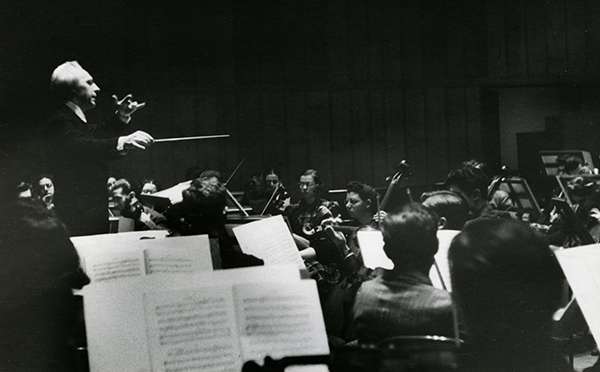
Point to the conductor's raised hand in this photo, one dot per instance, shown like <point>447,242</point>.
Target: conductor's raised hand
<point>136,140</point>
<point>127,106</point>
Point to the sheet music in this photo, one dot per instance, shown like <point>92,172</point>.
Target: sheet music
<point>192,330</point>
<point>174,194</point>
<point>581,266</point>
<point>280,320</point>
<point>270,240</point>
<point>116,325</point>
<point>117,266</point>
<point>138,258</point>
<point>441,258</point>
<point>181,259</point>
<point>371,248</point>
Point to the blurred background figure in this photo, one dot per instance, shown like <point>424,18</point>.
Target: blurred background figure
<point>149,187</point>
<point>44,190</point>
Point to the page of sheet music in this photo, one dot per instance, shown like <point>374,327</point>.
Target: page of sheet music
<point>581,266</point>
<point>121,265</point>
<point>192,330</point>
<point>280,320</point>
<point>269,239</point>
<point>441,258</point>
<point>116,325</point>
<point>129,259</point>
<point>171,260</point>
<point>371,248</point>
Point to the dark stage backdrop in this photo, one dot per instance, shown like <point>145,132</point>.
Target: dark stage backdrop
<point>349,88</point>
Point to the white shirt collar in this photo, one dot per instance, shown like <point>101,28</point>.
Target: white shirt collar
<point>77,110</point>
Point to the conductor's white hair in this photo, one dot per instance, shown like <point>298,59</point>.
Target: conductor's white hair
<point>64,79</point>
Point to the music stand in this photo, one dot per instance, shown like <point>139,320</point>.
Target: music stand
<point>563,181</point>
<point>550,165</point>
<point>572,221</point>
<point>521,195</point>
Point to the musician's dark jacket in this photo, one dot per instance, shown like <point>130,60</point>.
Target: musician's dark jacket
<point>40,319</point>
<point>401,302</point>
<point>78,154</point>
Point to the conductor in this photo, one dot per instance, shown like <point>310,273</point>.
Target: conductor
<point>78,152</point>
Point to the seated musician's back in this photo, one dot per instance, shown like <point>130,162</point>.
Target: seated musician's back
<point>402,301</point>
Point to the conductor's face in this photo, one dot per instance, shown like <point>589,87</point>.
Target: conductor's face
<point>85,91</point>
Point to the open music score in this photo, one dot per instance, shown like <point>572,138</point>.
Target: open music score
<point>208,321</point>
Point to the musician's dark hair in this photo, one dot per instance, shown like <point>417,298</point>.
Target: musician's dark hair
<point>205,201</point>
<point>255,188</point>
<point>410,236</point>
<point>316,178</point>
<point>122,183</point>
<point>505,278</point>
<point>272,171</point>
<point>450,205</point>
<point>572,162</point>
<point>365,192</point>
<point>468,179</point>
<point>210,173</point>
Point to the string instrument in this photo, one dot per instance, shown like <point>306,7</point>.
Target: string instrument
<point>394,181</point>
<point>279,195</point>
<point>496,180</point>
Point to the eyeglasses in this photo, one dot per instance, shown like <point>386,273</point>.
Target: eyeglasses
<point>306,184</point>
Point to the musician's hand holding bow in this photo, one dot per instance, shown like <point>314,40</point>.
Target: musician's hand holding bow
<point>126,107</point>
<point>379,216</point>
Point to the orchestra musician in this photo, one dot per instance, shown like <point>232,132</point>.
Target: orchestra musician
<point>279,198</point>
<point>306,216</point>
<point>78,152</point>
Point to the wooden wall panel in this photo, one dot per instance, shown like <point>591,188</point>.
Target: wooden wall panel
<point>361,134</point>
<point>358,41</point>
<point>296,141</point>
<point>557,47</point>
<point>536,17</point>
<point>390,39</point>
<point>381,141</point>
<point>436,134</point>
<point>395,130</point>
<point>337,41</point>
<point>416,145</point>
<point>318,134</point>
<point>412,67</point>
<point>592,37</point>
<point>249,116</point>
<point>342,138</point>
<point>516,52</point>
<point>575,36</point>
<point>273,127</point>
<point>457,130</point>
<point>496,42</point>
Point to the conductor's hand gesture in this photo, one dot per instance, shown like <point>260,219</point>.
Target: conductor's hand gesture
<point>126,107</point>
<point>136,140</point>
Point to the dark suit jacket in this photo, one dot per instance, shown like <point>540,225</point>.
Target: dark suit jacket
<point>401,303</point>
<point>78,154</point>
